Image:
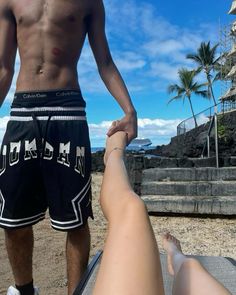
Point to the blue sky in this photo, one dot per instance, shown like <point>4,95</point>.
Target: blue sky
<point>149,41</point>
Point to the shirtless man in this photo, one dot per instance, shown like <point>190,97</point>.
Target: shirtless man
<point>45,155</point>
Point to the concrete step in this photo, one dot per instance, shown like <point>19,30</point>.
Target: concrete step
<point>210,205</point>
<point>193,188</point>
<point>189,174</point>
<point>152,161</point>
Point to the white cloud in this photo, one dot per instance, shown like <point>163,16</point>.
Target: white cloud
<point>153,25</point>
<point>165,47</point>
<point>159,131</point>
<point>129,61</point>
<point>164,70</point>
<point>86,63</point>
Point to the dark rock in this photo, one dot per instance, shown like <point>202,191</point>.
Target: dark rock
<point>192,142</point>
<point>185,163</point>
<point>151,162</point>
<point>233,161</point>
<point>97,162</point>
<point>168,163</point>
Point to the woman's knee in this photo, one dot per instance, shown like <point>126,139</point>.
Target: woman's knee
<point>126,204</point>
<point>134,203</point>
<point>191,263</point>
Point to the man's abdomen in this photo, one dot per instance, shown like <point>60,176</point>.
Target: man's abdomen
<point>46,77</point>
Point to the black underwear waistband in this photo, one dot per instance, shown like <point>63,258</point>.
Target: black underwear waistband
<point>51,98</point>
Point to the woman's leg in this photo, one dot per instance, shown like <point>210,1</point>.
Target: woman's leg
<point>190,277</point>
<point>130,263</point>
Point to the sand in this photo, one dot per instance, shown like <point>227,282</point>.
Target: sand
<point>199,236</point>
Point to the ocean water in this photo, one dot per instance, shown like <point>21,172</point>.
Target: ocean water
<point>129,148</point>
<point>96,149</point>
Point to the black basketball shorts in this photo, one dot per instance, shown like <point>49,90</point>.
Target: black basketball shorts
<point>45,161</point>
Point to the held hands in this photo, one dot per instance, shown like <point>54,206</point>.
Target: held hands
<point>127,124</point>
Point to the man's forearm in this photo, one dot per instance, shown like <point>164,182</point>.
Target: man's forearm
<point>116,86</point>
<point>5,83</point>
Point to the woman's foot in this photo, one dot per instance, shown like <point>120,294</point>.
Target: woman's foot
<point>115,144</point>
<point>175,256</point>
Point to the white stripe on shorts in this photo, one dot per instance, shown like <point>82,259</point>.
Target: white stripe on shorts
<point>78,220</point>
<point>33,221</point>
<point>11,223</point>
<point>45,118</point>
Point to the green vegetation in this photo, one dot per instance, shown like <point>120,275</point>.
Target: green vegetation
<point>222,128</point>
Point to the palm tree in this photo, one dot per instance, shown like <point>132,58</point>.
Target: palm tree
<point>187,87</point>
<point>207,62</point>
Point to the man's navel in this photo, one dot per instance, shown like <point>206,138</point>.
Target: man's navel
<point>39,70</point>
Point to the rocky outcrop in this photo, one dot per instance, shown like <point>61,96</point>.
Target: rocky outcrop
<point>97,162</point>
<point>191,143</point>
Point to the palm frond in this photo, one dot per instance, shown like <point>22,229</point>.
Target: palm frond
<point>205,55</point>
<point>196,86</point>
<point>186,77</point>
<point>194,57</point>
<point>198,70</point>
<point>173,88</point>
<point>217,77</point>
<point>203,93</point>
<point>175,98</point>
<point>187,86</point>
<point>213,54</point>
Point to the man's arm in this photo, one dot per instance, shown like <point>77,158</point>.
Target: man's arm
<point>109,72</point>
<point>8,46</point>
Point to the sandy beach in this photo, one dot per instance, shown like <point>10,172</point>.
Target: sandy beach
<point>199,236</point>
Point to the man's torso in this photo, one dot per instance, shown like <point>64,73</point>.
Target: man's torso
<point>50,36</point>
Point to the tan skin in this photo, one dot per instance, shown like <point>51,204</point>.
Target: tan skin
<point>49,35</point>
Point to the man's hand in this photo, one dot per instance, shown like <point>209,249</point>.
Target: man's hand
<point>128,124</point>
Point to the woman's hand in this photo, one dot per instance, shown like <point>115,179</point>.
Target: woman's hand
<point>127,124</point>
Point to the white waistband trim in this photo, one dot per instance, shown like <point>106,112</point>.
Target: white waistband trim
<point>41,109</point>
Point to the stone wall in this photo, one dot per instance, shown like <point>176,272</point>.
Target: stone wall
<point>97,162</point>
<point>136,163</point>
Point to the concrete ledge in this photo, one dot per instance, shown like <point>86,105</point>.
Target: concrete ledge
<point>189,174</point>
<point>225,205</point>
<point>205,162</point>
<point>198,188</point>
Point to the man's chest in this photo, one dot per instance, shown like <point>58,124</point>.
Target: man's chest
<point>58,12</point>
